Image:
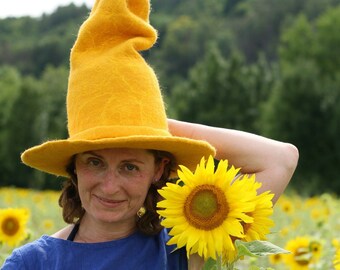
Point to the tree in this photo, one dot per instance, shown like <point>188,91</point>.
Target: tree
<point>31,44</point>
<point>328,42</point>
<point>53,95</point>
<point>181,46</point>
<point>186,38</point>
<point>34,112</point>
<point>20,134</point>
<point>258,24</point>
<point>224,93</point>
<point>10,83</point>
<point>10,86</point>
<point>292,47</point>
<point>304,108</point>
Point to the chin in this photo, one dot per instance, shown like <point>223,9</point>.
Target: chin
<point>112,217</point>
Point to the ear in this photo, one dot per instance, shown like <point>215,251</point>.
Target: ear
<point>160,169</point>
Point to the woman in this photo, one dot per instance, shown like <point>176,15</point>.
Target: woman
<point>108,187</point>
<point>122,148</point>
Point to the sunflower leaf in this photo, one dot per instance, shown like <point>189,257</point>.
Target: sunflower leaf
<point>258,248</point>
<point>210,264</point>
<point>242,249</point>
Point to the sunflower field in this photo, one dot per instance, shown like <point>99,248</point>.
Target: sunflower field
<point>25,215</point>
<point>307,227</point>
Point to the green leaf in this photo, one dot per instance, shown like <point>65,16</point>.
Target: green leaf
<point>210,264</point>
<point>258,248</point>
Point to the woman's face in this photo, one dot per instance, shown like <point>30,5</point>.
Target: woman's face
<point>113,183</point>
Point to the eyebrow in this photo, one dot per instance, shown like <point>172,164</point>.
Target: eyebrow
<point>124,160</point>
<point>91,153</point>
<point>133,160</point>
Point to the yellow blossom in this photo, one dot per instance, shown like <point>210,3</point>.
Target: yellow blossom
<point>207,210</point>
<point>13,225</point>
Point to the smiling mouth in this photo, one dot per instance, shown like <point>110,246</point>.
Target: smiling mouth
<point>108,202</point>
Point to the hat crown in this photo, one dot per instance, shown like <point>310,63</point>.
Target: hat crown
<point>112,91</point>
<point>113,97</point>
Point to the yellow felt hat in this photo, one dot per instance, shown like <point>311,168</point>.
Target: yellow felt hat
<point>113,97</point>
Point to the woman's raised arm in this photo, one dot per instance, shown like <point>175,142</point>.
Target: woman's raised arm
<point>272,161</point>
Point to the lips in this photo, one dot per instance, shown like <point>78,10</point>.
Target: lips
<point>108,202</point>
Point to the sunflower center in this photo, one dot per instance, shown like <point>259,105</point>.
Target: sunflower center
<point>314,247</point>
<point>302,256</point>
<point>206,207</point>
<point>10,226</point>
<point>277,257</point>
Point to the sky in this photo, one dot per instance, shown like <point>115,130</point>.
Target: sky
<point>35,8</point>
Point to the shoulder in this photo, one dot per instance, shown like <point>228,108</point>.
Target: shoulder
<point>14,261</point>
<point>43,253</point>
<point>63,233</point>
<point>24,256</point>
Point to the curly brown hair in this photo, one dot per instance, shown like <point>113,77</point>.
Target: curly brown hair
<point>149,223</point>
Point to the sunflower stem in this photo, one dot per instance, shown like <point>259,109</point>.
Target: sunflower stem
<point>219,262</point>
<point>229,266</point>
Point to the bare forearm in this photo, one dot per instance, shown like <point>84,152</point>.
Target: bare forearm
<point>272,161</point>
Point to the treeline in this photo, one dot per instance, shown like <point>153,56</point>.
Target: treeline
<point>264,66</point>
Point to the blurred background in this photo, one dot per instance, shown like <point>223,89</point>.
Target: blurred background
<point>263,66</point>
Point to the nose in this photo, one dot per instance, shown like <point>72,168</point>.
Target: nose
<point>111,183</point>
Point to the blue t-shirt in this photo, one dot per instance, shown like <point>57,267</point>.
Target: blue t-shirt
<point>137,251</point>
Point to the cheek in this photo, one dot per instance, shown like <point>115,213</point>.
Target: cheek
<point>85,184</point>
<point>139,189</point>
<point>81,189</point>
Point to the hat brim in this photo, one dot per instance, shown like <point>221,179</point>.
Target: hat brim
<point>54,156</point>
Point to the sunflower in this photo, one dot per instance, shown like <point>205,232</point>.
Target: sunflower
<point>304,252</point>
<point>207,209</point>
<point>48,224</point>
<point>336,261</point>
<point>260,227</point>
<point>286,206</point>
<point>13,225</point>
<point>315,248</point>
<point>336,243</point>
<point>275,259</point>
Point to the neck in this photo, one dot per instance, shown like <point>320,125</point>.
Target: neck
<point>93,231</point>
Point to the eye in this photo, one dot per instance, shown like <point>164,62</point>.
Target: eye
<point>94,162</point>
<point>130,167</point>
